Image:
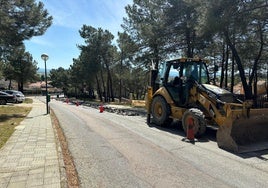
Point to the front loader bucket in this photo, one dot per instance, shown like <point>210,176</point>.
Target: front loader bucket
<point>241,134</point>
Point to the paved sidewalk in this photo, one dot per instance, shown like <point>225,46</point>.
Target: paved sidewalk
<point>30,157</point>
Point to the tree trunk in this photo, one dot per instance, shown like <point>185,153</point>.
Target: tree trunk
<point>188,41</point>
<point>254,69</point>
<point>222,66</point>
<point>98,89</point>
<point>120,78</point>
<point>247,90</point>
<point>103,87</point>
<point>9,85</point>
<point>226,67</point>
<point>20,86</point>
<point>255,95</point>
<point>232,75</point>
<point>109,81</point>
<point>154,72</point>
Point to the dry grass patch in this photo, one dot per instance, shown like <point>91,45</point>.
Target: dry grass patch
<point>10,117</point>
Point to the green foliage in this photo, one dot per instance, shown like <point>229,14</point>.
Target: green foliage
<point>145,24</point>
<point>96,49</point>
<point>156,30</point>
<point>20,67</point>
<point>243,26</point>
<point>21,20</point>
<point>182,28</point>
<point>59,77</point>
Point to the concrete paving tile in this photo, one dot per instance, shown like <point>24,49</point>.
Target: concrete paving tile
<point>21,168</point>
<point>37,157</point>
<point>28,150</point>
<point>5,176</point>
<point>52,175</point>
<point>51,180</point>
<point>4,179</point>
<point>51,145</point>
<point>41,144</point>
<point>52,162</point>
<point>3,184</point>
<point>19,178</point>
<point>12,159</point>
<point>26,155</point>
<point>40,150</point>
<point>54,185</point>
<point>22,139</point>
<point>2,160</point>
<point>38,163</point>
<point>42,138</point>
<point>51,168</point>
<point>19,184</point>
<point>34,175</point>
<point>4,170</point>
<point>19,146</point>
<point>16,152</point>
<point>26,159</point>
<point>10,165</point>
<point>35,182</point>
<point>23,164</point>
<point>30,158</point>
<point>40,170</point>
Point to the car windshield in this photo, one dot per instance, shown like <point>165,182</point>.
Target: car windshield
<point>3,93</point>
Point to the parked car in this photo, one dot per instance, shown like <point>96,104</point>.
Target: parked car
<point>19,96</point>
<point>5,97</point>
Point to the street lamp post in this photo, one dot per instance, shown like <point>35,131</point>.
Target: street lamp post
<point>45,58</point>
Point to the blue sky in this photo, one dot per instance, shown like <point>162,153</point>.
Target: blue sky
<point>61,39</point>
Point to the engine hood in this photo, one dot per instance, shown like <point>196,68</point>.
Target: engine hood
<point>217,90</point>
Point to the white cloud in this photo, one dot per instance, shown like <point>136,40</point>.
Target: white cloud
<point>40,41</point>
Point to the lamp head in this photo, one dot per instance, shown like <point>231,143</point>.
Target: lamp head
<point>44,57</point>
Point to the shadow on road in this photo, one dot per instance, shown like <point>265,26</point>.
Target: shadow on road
<point>176,128</point>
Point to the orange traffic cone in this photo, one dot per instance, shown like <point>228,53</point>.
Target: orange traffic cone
<point>190,129</point>
<point>101,108</point>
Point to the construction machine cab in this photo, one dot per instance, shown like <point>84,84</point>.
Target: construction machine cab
<point>178,77</point>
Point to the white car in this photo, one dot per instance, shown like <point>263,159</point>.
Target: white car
<point>19,96</point>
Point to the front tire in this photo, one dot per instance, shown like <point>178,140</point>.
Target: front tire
<point>3,102</point>
<point>160,111</point>
<point>198,119</point>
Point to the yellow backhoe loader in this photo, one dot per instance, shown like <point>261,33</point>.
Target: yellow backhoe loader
<point>182,90</point>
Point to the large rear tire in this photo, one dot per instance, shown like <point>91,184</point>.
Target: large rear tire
<point>160,111</point>
<point>199,121</point>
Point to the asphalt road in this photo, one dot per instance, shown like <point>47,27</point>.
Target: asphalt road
<point>111,150</point>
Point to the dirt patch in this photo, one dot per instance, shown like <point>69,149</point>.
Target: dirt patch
<point>71,173</point>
